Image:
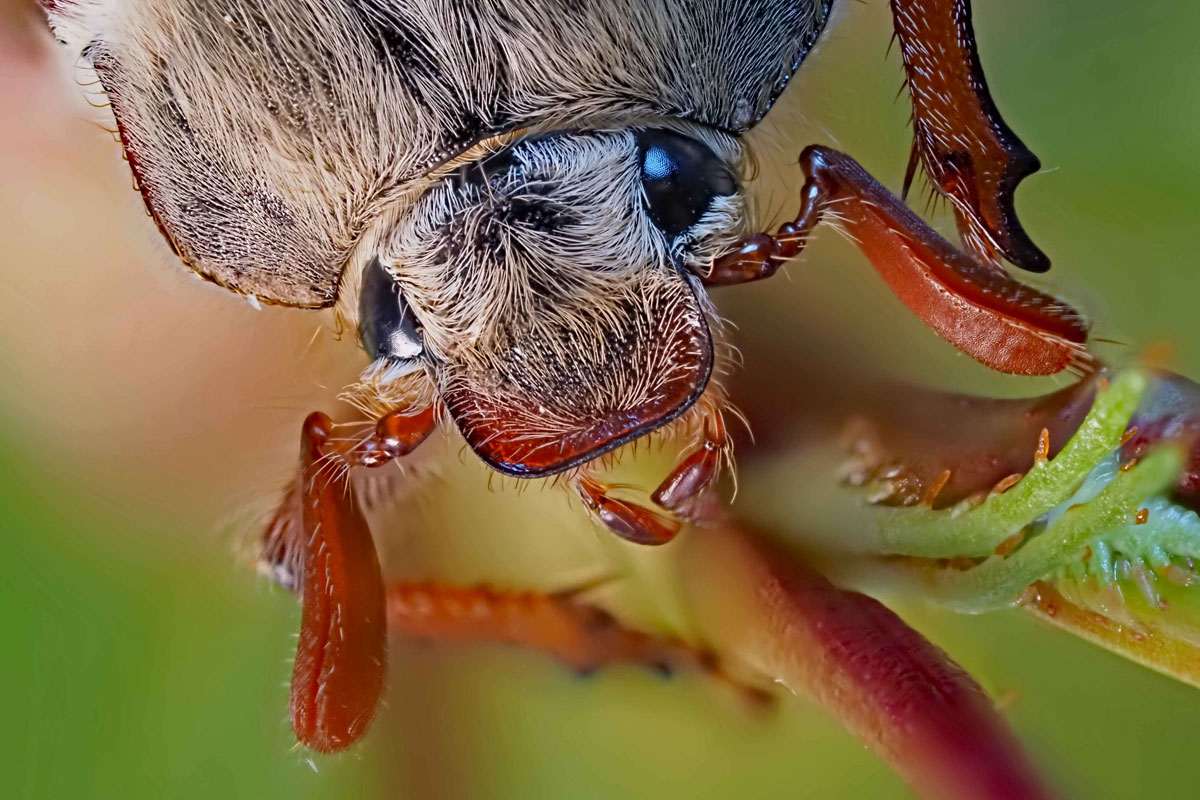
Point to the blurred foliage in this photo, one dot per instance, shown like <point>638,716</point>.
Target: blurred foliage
<point>144,660</point>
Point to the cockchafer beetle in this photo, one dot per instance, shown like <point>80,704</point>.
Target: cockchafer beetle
<point>520,207</point>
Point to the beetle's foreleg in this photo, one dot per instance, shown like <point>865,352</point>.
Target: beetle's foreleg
<point>630,521</point>
<point>757,257</point>
<point>975,306</point>
<point>698,470</point>
<point>281,551</point>
<point>970,155</point>
<point>678,495</point>
<point>340,662</point>
<point>338,674</point>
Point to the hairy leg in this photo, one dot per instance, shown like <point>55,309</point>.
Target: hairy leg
<point>320,539</point>
<point>580,635</point>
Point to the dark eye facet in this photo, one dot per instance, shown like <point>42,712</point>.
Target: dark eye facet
<point>386,325</point>
<point>681,177</point>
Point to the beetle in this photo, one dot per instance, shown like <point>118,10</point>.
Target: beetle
<point>520,207</point>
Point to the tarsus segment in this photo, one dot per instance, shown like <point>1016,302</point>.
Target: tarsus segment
<point>582,636</point>
<point>680,495</point>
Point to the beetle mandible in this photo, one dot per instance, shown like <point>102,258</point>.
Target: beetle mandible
<point>520,207</point>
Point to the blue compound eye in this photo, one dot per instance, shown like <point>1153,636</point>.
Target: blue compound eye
<point>658,165</point>
<point>386,325</point>
<point>681,177</point>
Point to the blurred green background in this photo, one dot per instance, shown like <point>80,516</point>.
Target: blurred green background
<point>145,418</point>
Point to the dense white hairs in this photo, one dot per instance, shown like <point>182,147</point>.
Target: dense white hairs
<point>542,284</point>
<point>566,226</point>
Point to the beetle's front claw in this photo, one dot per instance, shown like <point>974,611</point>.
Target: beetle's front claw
<point>632,522</point>
<point>680,492</point>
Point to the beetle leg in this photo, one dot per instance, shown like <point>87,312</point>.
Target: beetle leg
<point>585,637</point>
<point>281,551</point>
<point>582,636</point>
<point>970,155</point>
<point>677,495</point>
<point>630,521</point>
<point>747,264</point>
<point>696,472</point>
<point>977,307</point>
<point>338,674</point>
<point>340,662</point>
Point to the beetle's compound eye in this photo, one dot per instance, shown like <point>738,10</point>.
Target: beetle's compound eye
<point>681,177</point>
<point>386,325</point>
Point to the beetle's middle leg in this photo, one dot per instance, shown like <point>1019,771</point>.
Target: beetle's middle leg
<point>976,306</point>
<point>580,635</point>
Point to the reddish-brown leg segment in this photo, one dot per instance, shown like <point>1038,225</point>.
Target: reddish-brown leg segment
<point>678,494</point>
<point>630,521</point>
<point>340,662</point>
<point>681,489</point>
<point>582,636</point>
<point>964,145</point>
<point>338,675</point>
<point>978,308</point>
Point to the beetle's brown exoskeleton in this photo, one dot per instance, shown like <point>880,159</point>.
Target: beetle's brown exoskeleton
<point>519,205</point>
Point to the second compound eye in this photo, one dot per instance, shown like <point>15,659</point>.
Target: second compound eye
<point>681,177</point>
<point>386,325</point>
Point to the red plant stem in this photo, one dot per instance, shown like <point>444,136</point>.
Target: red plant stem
<point>887,684</point>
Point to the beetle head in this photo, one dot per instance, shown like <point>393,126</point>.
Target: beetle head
<point>549,289</point>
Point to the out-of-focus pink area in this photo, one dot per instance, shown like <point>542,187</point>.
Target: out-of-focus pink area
<point>163,389</point>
